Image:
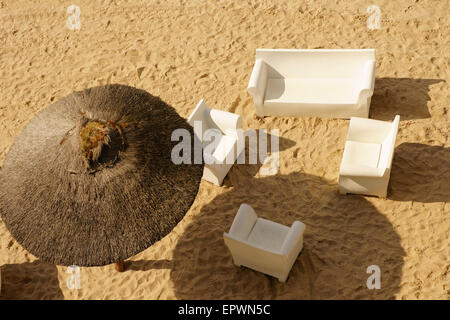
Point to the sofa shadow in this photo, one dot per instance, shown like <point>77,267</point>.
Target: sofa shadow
<point>30,281</point>
<point>420,173</point>
<point>404,96</point>
<point>344,235</point>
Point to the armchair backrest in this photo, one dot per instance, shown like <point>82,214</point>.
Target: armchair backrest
<point>368,130</point>
<point>225,122</point>
<point>243,223</point>
<point>315,63</point>
<point>388,145</point>
<point>200,114</point>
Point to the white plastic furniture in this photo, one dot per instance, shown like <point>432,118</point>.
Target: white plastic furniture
<point>332,83</point>
<point>367,159</point>
<point>223,156</point>
<point>263,245</point>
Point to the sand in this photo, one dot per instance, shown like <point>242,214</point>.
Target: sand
<point>183,51</point>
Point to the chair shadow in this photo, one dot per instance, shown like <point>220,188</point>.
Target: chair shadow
<point>344,235</point>
<point>30,281</point>
<point>420,173</point>
<point>404,96</point>
<point>253,162</point>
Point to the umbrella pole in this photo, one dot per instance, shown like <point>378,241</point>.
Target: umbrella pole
<point>120,266</point>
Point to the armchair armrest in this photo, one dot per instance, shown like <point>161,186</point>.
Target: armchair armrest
<point>361,171</point>
<point>388,145</point>
<point>257,84</point>
<point>227,122</point>
<point>294,236</point>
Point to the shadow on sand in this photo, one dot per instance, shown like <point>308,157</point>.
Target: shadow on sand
<point>30,281</point>
<point>404,96</point>
<point>420,173</point>
<point>249,171</point>
<point>344,235</point>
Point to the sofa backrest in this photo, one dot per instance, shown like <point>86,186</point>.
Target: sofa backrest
<point>315,63</point>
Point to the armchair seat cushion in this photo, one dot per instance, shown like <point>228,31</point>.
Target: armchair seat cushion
<point>326,91</point>
<point>361,154</point>
<point>268,234</point>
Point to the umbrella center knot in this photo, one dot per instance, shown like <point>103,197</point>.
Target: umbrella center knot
<point>101,142</point>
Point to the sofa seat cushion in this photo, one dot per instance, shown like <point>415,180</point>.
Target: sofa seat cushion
<point>268,234</point>
<point>361,154</point>
<point>310,91</point>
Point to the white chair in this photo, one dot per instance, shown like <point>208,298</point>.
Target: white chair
<point>225,126</point>
<point>263,245</point>
<point>332,83</point>
<point>367,159</point>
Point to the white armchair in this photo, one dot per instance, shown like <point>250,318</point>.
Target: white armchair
<point>220,153</point>
<point>367,159</point>
<point>263,245</point>
<point>333,83</point>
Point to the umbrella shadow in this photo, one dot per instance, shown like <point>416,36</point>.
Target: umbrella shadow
<point>344,235</point>
<point>404,96</point>
<point>420,173</point>
<point>30,281</point>
<point>146,265</point>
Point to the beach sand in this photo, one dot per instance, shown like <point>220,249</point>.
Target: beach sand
<point>183,51</point>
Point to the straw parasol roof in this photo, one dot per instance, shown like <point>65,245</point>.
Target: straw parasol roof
<point>89,181</point>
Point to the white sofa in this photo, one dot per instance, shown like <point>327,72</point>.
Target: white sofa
<point>367,159</point>
<point>331,83</point>
<point>225,153</point>
<point>263,245</point>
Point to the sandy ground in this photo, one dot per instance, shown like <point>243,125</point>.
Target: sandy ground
<point>183,51</point>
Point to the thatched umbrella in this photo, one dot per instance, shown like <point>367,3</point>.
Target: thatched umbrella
<point>89,181</point>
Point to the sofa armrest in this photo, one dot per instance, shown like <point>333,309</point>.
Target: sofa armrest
<point>257,84</point>
<point>361,171</point>
<point>243,222</point>
<point>293,238</point>
<point>367,81</point>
